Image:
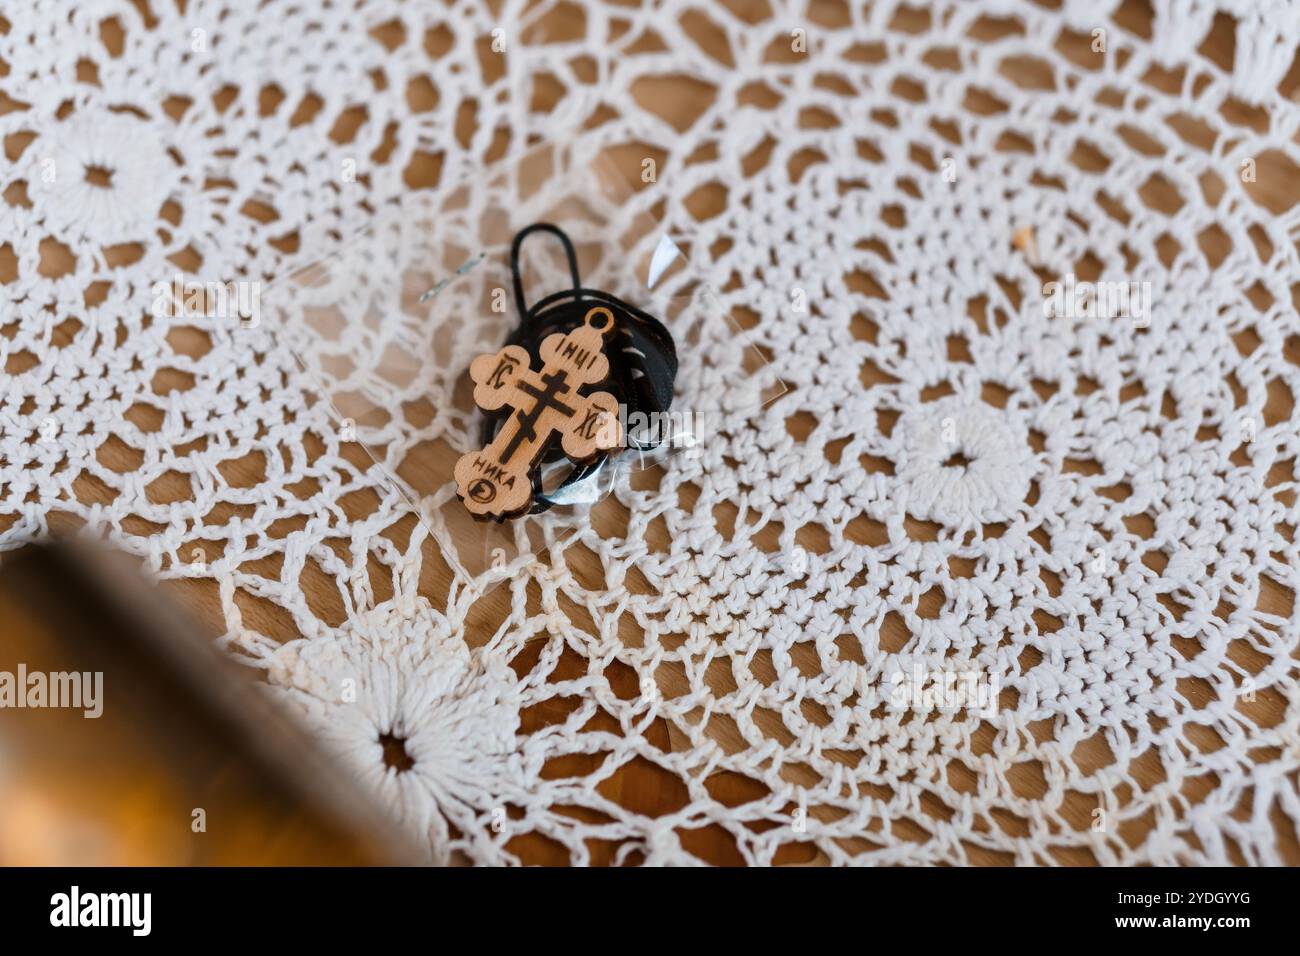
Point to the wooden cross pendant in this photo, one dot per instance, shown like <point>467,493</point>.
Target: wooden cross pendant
<point>497,481</point>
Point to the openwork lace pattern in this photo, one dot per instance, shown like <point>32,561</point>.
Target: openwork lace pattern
<point>1092,516</point>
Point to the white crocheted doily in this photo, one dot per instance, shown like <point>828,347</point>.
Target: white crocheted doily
<point>1093,517</point>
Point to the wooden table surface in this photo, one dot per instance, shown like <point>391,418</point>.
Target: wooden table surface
<point>641,785</point>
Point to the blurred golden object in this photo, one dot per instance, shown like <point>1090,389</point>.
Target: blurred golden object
<point>188,763</point>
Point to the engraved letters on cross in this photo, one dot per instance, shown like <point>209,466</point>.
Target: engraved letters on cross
<point>497,481</point>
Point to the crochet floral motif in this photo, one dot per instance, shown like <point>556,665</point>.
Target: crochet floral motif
<point>397,676</point>
<point>963,463</point>
<point>102,175</point>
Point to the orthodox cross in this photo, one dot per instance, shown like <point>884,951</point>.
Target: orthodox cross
<point>497,481</point>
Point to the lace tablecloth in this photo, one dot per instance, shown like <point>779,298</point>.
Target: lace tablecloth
<point>1087,521</point>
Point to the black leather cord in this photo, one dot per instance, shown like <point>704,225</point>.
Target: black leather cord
<point>641,352</point>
